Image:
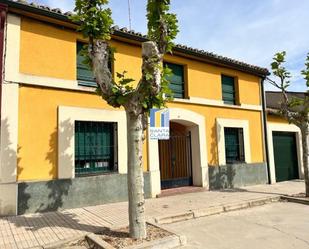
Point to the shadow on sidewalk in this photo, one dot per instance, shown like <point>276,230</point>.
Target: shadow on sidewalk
<point>60,220</point>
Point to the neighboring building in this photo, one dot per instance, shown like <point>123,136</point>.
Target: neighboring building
<point>62,146</point>
<point>284,141</point>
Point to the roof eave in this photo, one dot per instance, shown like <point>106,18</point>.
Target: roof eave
<point>21,8</point>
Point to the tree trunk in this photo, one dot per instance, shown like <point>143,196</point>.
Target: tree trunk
<point>135,176</point>
<point>304,133</point>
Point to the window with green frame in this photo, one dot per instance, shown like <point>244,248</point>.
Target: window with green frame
<point>177,82</point>
<point>95,147</point>
<point>228,90</point>
<point>84,74</point>
<point>234,145</point>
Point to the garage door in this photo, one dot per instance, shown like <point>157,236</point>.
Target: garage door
<point>285,155</point>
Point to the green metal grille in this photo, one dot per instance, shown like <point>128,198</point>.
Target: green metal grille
<point>95,147</point>
<point>234,145</point>
<point>228,90</point>
<point>176,80</point>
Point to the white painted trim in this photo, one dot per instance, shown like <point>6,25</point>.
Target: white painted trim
<point>233,123</point>
<point>12,48</point>
<point>12,60</point>
<point>219,103</point>
<point>8,199</point>
<point>49,82</point>
<point>284,128</point>
<point>204,101</point>
<point>196,123</point>
<point>251,107</point>
<point>66,141</point>
<point>9,133</point>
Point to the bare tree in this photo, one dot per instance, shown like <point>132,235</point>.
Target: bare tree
<point>294,110</point>
<point>95,24</point>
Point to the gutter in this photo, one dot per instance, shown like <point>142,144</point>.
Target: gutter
<point>265,129</point>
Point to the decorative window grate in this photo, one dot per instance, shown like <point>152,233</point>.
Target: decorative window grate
<point>95,147</point>
<point>234,145</point>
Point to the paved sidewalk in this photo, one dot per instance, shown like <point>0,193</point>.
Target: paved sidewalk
<point>29,231</point>
<point>279,225</point>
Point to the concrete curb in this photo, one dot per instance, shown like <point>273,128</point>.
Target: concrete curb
<point>208,211</point>
<point>97,243</point>
<point>168,219</point>
<point>295,200</point>
<point>169,242</point>
<point>61,243</point>
<point>263,201</point>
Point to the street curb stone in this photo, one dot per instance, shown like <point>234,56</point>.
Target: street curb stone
<point>59,244</point>
<point>295,200</point>
<point>167,219</point>
<point>236,206</point>
<point>208,211</point>
<point>169,242</point>
<point>97,243</point>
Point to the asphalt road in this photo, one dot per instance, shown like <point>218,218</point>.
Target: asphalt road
<point>275,226</point>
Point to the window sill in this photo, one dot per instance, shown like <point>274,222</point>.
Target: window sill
<point>236,163</point>
<point>230,104</point>
<point>96,174</point>
<point>86,83</point>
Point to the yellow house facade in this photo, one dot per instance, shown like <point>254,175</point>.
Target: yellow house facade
<point>54,126</point>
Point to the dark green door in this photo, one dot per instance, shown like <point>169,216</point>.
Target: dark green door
<point>285,155</point>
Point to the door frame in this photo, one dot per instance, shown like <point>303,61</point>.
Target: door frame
<point>182,181</point>
<point>271,127</point>
<point>196,124</point>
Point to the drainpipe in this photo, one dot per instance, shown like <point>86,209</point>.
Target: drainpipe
<point>265,129</point>
<point>3,12</point>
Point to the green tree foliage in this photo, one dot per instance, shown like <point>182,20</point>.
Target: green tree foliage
<point>95,21</point>
<point>162,25</point>
<point>294,109</point>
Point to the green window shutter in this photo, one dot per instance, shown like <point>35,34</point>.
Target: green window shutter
<point>94,147</point>
<point>84,74</point>
<point>234,145</point>
<point>228,89</point>
<point>176,80</point>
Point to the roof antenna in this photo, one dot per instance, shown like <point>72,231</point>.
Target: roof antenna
<point>129,8</point>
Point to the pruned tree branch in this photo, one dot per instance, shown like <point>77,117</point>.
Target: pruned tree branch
<point>99,57</point>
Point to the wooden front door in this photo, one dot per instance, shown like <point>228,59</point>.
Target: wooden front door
<point>175,160</point>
